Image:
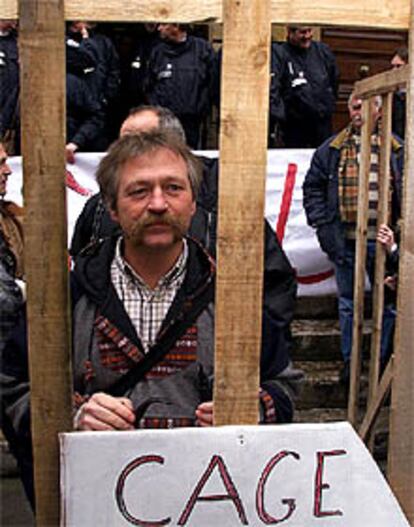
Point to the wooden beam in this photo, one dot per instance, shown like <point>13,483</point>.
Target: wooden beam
<point>388,14</point>
<point>382,83</point>
<point>401,449</point>
<point>375,406</point>
<point>42,59</point>
<point>383,214</point>
<point>243,157</point>
<point>360,257</point>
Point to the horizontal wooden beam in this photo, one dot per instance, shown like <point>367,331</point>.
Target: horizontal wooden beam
<point>388,14</point>
<point>382,83</point>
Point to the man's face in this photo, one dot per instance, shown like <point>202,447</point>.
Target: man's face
<point>144,121</point>
<point>170,32</point>
<point>355,112</point>
<point>4,171</point>
<point>155,202</point>
<point>301,37</point>
<point>397,62</point>
<point>79,25</point>
<point>7,25</point>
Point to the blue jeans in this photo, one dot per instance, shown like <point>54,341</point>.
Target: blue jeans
<point>344,275</point>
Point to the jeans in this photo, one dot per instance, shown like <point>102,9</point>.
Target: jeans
<point>344,275</point>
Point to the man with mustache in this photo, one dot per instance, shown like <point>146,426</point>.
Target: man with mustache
<point>143,307</point>
<point>147,299</point>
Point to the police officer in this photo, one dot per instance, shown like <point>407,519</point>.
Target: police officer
<point>147,39</point>
<point>102,77</point>
<point>180,77</point>
<point>303,89</point>
<point>84,115</point>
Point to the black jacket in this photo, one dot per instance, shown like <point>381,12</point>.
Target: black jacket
<point>321,197</point>
<point>180,77</point>
<point>304,82</point>
<point>399,102</point>
<point>92,277</point>
<point>104,80</point>
<point>84,116</point>
<point>138,73</point>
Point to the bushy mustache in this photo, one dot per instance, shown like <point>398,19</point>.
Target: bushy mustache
<point>165,219</point>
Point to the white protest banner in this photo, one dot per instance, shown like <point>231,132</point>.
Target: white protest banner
<point>283,209</point>
<point>297,475</point>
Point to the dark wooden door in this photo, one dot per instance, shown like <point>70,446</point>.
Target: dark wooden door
<point>359,54</point>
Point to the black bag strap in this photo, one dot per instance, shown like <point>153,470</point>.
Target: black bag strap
<point>191,309</point>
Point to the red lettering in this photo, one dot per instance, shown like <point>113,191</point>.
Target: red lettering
<point>120,489</point>
<point>320,486</point>
<point>232,493</point>
<point>290,502</point>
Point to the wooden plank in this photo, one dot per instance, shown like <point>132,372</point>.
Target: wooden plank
<point>42,58</point>
<point>382,83</point>
<point>360,257</point>
<point>353,13</point>
<point>243,152</point>
<point>401,446</point>
<point>375,405</point>
<point>383,215</point>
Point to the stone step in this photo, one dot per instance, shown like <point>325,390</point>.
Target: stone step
<point>316,307</point>
<point>326,415</point>
<point>315,340</point>
<point>320,415</point>
<point>319,340</point>
<point>322,388</point>
<point>320,307</point>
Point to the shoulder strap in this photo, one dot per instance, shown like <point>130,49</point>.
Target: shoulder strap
<point>189,314</point>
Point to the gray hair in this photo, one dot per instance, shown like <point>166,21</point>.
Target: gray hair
<point>168,121</point>
<point>134,146</point>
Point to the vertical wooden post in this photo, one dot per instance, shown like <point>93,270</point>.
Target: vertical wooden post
<point>360,257</point>
<point>243,156</point>
<point>383,213</point>
<point>42,59</point>
<point>401,446</point>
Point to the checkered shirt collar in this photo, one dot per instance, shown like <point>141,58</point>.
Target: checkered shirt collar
<point>174,277</point>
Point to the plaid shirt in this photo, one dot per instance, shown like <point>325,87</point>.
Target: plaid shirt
<point>349,180</point>
<point>146,307</point>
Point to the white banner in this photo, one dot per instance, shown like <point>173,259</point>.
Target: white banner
<point>313,475</point>
<point>284,210</point>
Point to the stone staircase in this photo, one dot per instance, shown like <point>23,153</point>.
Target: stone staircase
<point>316,350</point>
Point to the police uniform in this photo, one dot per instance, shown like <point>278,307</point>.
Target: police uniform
<point>303,92</point>
<point>101,73</point>
<point>180,78</point>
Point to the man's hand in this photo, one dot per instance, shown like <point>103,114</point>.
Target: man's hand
<point>204,414</point>
<point>391,282</point>
<point>70,150</point>
<point>386,237</point>
<point>104,412</point>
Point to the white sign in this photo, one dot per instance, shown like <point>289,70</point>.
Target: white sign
<point>283,209</point>
<point>295,475</point>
